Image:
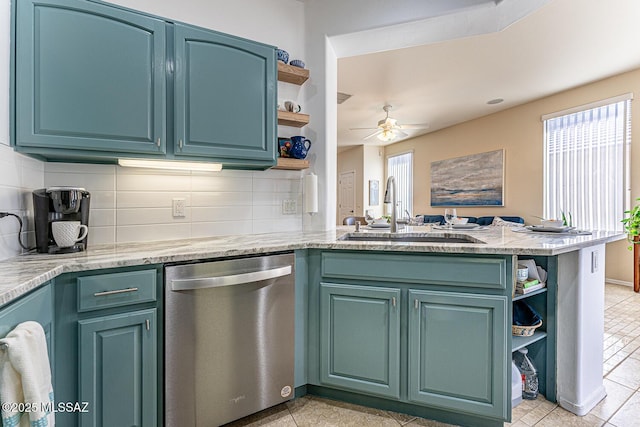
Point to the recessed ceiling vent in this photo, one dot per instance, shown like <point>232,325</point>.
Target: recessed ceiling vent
<point>343,97</point>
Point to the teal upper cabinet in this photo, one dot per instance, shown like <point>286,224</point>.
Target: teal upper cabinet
<point>96,82</point>
<point>225,96</point>
<point>88,77</point>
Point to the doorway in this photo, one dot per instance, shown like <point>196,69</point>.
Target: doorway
<point>346,195</point>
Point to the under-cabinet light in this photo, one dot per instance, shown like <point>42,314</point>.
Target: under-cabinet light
<point>169,164</point>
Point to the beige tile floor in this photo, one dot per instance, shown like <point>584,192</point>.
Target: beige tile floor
<point>621,407</point>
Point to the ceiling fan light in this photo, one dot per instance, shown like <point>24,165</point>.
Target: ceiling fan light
<point>386,135</point>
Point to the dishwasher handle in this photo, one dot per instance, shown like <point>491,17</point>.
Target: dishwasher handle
<point>234,279</point>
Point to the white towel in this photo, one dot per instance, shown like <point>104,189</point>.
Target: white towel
<point>25,377</point>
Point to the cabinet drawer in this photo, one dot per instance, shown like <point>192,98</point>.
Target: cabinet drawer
<point>456,270</point>
<point>116,289</point>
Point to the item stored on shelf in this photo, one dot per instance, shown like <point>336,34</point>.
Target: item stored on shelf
<point>529,286</point>
<point>525,319</point>
<point>516,385</point>
<point>282,55</point>
<point>522,273</point>
<point>284,145</point>
<point>299,147</point>
<point>534,272</point>
<point>529,375</point>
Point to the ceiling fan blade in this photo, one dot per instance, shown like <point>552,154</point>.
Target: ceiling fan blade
<point>400,133</point>
<point>373,134</point>
<point>362,128</point>
<point>415,126</point>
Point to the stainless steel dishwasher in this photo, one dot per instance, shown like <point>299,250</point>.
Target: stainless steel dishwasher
<point>229,338</point>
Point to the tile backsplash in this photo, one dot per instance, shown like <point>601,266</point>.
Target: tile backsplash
<point>19,176</point>
<point>135,205</point>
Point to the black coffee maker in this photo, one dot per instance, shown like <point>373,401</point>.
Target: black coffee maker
<point>59,204</point>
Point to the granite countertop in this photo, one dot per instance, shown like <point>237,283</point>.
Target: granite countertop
<point>23,273</point>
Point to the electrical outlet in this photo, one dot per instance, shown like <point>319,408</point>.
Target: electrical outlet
<point>178,208</point>
<point>289,207</point>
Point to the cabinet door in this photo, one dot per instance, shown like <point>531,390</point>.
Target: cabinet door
<point>37,307</point>
<point>225,90</point>
<point>118,369</point>
<point>458,352</point>
<point>360,338</point>
<point>89,77</point>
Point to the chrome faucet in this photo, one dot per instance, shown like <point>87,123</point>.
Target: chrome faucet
<point>391,187</point>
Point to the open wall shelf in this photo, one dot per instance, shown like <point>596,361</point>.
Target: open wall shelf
<point>291,74</point>
<point>291,164</point>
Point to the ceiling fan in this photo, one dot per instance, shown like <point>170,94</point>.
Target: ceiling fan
<point>389,128</point>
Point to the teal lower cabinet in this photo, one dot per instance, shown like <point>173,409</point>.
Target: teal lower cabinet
<point>118,369</point>
<point>360,338</point>
<point>424,334</point>
<point>108,347</point>
<point>458,351</point>
<point>36,306</point>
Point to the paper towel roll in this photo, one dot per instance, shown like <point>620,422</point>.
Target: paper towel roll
<point>311,193</point>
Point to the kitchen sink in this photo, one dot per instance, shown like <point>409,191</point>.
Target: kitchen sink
<point>419,238</point>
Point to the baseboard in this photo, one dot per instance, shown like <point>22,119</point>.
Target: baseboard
<point>619,282</point>
<point>587,405</point>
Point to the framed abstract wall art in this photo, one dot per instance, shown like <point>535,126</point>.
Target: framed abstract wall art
<point>474,180</point>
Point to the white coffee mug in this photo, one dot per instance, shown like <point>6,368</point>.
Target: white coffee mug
<point>292,106</point>
<point>522,273</point>
<point>67,233</point>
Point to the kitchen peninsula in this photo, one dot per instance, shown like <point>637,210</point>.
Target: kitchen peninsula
<point>440,304</point>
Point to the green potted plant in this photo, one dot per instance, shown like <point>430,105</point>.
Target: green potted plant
<point>632,228</point>
<point>632,224</point>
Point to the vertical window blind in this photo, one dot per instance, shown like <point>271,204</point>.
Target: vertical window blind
<point>586,166</point>
<point>401,168</point>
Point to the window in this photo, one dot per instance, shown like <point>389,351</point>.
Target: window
<point>586,165</point>
<point>401,168</point>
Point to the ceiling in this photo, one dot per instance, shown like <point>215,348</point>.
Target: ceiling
<point>563,44</point>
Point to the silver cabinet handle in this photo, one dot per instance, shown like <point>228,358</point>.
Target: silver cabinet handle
<point>235,279</point>
<point>181,144</point>
<point>158,143</point>
<point>416,304</point>
<point>393,301</point>
<point>119,291</point>
<point>148,324</point>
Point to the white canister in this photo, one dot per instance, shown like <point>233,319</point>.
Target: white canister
<point>522,273</point>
